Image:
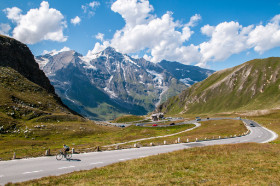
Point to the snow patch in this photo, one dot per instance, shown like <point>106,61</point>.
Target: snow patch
<point>127,58</point>
<point>158,77</point>
<point>110,93</point>
<point>42,62</point>
<point>89,58</point>
<point>187,81</point>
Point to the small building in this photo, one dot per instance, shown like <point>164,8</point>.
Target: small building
<point>157,116</point>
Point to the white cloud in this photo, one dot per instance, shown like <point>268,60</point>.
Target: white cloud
<point>90,8</point>
<point>37,24</point>
<point>76,20</point>
<point>230,38</point>
<point>207,30</point>
<point>147,57</point>
<point>165,38</point>
<point>162,36</point>
<point>193,21</point>
<point>227,38</point>
<point>135,56</point>
<point>13,14</point>
<point>134,12</point>
<point>100,36</point>
<point>94,4</point>
<point>4,29</point>
<point>264,38</point>
<point>97,48</point>
<point>54,52</point>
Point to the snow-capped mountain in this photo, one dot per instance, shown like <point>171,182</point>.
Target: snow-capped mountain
<point>108,84</point>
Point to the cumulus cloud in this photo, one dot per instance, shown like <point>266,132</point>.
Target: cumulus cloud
<point>165,38</point>
<point>4,29</point>
<point>38,24</point>
<point>207,30</point>
<point>94,4</point>
<point>162,36</point>
<point>227,38</point>
<point>100,36</point>
<point>193,21</point>
<point>97,48</point>
<point>134,12</point>
<point>13,14</point>
<point>230,38</point>
<point>90,8</point>
<point>265,37</point>
<point>76,20</point>
<point>54,52</point>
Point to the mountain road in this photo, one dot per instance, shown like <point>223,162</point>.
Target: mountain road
<point>33,168</point>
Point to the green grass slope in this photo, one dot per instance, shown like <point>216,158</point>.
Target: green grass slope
<point>22,100</point>
<point>253,85</point>
<point>238,164</point>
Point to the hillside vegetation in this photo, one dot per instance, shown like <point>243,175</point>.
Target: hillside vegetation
<point>238,164</point>
<point>128,118</point>
<point>22,100</point>
<point>253,85</point>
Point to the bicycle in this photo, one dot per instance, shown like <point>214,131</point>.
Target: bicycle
<point>60,155</point>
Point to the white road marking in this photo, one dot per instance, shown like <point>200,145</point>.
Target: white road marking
<point>124,159</point>
<point>27,173</point>
<point>38,171</point>
<point>142,156</point>
<point>96,163</point>
<point>66,167</point>
<point>32,172</point>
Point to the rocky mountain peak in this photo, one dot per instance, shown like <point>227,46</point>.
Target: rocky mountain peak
<point>109,50</point>
<point>109,83</point>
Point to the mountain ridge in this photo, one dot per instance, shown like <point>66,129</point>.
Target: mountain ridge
<point>131,86</point>
<point>253,85</point>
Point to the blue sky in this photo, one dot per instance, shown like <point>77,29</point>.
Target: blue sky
<point>216,34</point>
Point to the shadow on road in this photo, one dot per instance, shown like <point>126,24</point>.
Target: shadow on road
<point>195,145</point>
<point>74,160</point>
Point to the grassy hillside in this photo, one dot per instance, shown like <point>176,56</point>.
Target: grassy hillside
<point>128,118</point>
<point>237,164</point>
<point>22,100</point>
<point>251,86</point>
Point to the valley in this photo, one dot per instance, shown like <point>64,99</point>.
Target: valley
<point>105,158</point>
<point>33,117</point>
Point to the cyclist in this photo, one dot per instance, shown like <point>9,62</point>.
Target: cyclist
<point>65,149</point>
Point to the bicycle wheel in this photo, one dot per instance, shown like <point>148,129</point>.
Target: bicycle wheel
<point>59,156</point>
<point>69,156</point>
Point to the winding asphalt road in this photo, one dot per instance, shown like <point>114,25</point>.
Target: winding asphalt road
<point>28,169</point>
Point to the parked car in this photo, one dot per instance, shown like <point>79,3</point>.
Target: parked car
<point>252,125</point>
<point>138,124</point>
<point>208,118</point>
<point>197,119</point>
<point>121,126</point>
<point>172,123</point>
<point>154,125</point>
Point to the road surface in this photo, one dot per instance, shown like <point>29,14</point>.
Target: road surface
<point>28,169</point>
